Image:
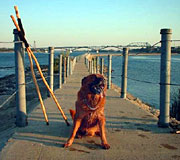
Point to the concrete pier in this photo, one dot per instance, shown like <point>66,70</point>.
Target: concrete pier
<point>131,131</point>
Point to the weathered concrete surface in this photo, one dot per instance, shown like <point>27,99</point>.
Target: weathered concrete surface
<point>131,132</point>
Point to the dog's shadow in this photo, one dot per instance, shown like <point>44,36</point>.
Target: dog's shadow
<point>54,134</point>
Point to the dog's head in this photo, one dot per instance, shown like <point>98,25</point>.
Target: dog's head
<point>96,83</point>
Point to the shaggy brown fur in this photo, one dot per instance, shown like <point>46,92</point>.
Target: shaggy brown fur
<point>89,116</point>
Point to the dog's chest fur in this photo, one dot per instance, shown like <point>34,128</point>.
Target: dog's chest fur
<point>90,120</point>
<point>93,100</point>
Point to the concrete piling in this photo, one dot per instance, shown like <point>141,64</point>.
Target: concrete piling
<point>21,115</point>
<point>97,64</point>
<point>51,69</point>
<point>70,66</point>
<point>165,77</point>
<point>64,70</point>
<point>109,71</point>
<point>124,73</point>
<point>102,66</point>
<point>67,66</point>
<point>92,66</point>
<point>60,71</point>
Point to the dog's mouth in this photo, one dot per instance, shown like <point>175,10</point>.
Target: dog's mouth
<point>97,86</point>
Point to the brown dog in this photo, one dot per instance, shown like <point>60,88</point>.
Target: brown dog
<point>89,116</point>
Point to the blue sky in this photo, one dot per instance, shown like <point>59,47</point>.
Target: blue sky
<point>92,22</point>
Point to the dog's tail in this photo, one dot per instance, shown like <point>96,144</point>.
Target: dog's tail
<point>72,112</point>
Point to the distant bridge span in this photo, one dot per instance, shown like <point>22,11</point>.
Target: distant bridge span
<point>105,47</point>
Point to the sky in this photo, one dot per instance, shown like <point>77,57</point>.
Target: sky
<point>91,22</point>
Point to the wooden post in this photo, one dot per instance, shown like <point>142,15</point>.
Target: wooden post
<point>73,63</point>
<point>67,66</point>
<point>92,66</point>
<point>165,77</point>
<point>64,70</point>
<point>70,67</point>
<point>60,71</point>
<point>102,66</point>
<point>109,71</point>
<point>124,73</point>
<point>97,64</point>
<point>89,66</point>
<point>51,69</point>
<point>87,63</point>
<point>21,115</point>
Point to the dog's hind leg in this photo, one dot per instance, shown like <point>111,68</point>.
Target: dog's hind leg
<point>72,113</point>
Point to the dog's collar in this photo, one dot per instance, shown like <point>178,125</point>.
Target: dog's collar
<point>93,108</point>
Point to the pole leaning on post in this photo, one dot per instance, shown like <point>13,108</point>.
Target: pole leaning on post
<point>21,115</point>
<point>124,73</point>
<point>165,77</point>
<point>51,68</point>
<point>109,71</point>
<point>21,35</point>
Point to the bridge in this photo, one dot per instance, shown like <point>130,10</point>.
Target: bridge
<point>100,48</point>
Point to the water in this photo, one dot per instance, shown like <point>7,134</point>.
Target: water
<point>7,61</point>
<point>142,68</point>
<point>146,68</point>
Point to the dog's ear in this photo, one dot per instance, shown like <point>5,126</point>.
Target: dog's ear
<point>83,81</point>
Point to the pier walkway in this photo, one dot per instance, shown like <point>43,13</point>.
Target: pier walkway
<point>131,132</point>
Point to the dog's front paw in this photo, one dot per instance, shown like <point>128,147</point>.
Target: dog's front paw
<point>67,144</point>
<point>106,146</point>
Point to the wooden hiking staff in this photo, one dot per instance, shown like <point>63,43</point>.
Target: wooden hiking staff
<point>32,70</point>
<point>47,85</point>
<point>37,63</point>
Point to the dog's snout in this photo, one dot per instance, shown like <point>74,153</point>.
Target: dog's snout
<point>100,80</point>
